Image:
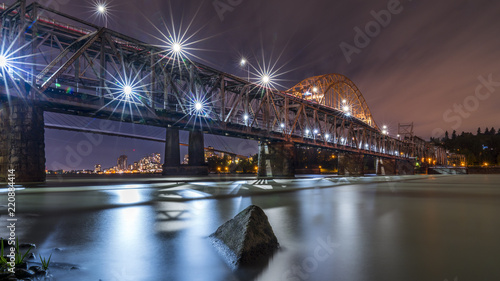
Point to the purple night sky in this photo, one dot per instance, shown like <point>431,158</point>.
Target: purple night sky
<point>434,63</point>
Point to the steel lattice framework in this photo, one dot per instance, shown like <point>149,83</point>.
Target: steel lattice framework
<point>76,69</point>
<point>336,91</point>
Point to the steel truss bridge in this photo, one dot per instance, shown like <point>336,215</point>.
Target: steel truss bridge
<point>60,63</point>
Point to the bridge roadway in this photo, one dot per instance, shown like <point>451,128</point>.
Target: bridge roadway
<point>75,67</point>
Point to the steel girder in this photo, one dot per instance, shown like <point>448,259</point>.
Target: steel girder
<point>76,68</point>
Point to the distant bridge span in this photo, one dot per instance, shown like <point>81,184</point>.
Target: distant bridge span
<point>132,136</point>
<point>75,67</point>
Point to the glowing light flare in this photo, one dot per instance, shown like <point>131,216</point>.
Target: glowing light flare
<point>282,125</point>
<point>345,108</point>
<point>245,117</point>
<point>243,62</point>
<point>101,11</point>
<point>127,90</point>
<point>315,89</point>
<point>101,8</point>
<point>266,79</point>
<point>3,61</point>
<point>176,47</point>
<point>198,106</point>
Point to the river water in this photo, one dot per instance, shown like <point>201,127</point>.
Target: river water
<point>414,228</point>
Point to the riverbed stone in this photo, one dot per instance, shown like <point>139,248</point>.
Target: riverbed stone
<point>23,273</point>
<point>246,240</point>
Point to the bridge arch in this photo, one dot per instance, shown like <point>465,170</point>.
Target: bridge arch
<point>336,91</point>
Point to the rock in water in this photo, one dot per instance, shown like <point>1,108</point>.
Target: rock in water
<point>247,239</point>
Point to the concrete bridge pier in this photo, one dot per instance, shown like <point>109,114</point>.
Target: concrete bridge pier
<point>351,164</point>
<point>385,166</point>
<point>172,163</point>
<point>276,159</point>
<point>22,146</point>
<point>196,151</point>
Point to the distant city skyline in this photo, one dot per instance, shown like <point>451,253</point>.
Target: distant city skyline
<point>62,149</point>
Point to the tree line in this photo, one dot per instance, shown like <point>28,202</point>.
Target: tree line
<point>482,148</point>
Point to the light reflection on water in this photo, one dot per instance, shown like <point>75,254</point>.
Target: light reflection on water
<point>377,233</point>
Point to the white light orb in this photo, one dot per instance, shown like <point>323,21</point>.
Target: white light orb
<point>3,61</point>
<point>127,90</point>
<point>176,47</point>
<point>101,9</point>
<point>198,106</point>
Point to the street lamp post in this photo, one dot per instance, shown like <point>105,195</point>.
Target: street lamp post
<point>244,62</point>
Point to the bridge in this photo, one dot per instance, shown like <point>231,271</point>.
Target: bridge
<point>52,61</point>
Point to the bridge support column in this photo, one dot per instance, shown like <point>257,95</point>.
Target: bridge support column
<point>196,151</point>
<point>351,164</point>
<point>386,166</point>
<point>22,144</point>
<point>172,162</point>
<point>276,159</point>
<point>405,167</point>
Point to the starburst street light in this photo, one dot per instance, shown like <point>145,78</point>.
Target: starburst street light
<point>266,72</point>
<point>198,106</point>
<point>177,42</point>
<point>3,61</point>
<point>243,62</point>
<point>265,79</point>
<point>127,90</point>
<point>101,11</point>
<point>176,47</point>
<point>101,8</point>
